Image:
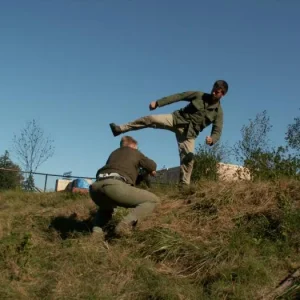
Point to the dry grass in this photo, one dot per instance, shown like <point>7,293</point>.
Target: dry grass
<point>214,241</point>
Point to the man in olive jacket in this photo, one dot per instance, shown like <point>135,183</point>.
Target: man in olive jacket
<point>115,186</point>
<point>203,110</point>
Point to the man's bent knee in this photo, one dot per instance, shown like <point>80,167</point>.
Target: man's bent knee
<point>188,158</point>
<point>146,120</point>
<point>154,199</point>
<point>150,121</point>
<point>159,121</point>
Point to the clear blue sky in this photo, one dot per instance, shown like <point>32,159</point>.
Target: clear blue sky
<point>77,65</point>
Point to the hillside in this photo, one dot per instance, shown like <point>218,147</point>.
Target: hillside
<point>216,241</point>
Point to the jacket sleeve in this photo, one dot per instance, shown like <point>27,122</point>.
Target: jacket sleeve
<point>147,163</point>
<point>217,127</point>
<point>187,96</point>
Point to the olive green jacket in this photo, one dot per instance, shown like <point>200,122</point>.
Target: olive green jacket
<point>197,115</point>
<point>126,162</point>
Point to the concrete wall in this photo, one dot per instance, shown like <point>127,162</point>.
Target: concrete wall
<point>233,172</point>
<point>61,184</point>
<point>170,175</point>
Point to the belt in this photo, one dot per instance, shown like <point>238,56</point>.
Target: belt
<point>111,176</point>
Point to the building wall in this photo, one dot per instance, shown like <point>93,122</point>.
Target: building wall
<point>170,175</point>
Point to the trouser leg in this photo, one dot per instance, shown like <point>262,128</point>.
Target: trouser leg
<point>162,121</point>
<point>186,149</point>
<point>105,205</point>
<point>102,217</point>
<point>141,201</point>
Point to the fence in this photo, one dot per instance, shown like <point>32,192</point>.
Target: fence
<point>42,180</point>
<point>163,176</point>
<point>38,182</point>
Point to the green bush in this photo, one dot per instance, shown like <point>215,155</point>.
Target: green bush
<point>272,165</point>
<point>206,161</point>
<point>9,180</point>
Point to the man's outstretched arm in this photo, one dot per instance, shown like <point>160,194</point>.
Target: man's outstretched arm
<point>186,96</point>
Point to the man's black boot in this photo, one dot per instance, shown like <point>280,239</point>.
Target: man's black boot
<point>116,130</point>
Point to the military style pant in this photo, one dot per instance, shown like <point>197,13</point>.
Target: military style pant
<point>186,146</point>
<point>110,193</point>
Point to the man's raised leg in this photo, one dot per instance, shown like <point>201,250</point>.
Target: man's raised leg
<point>162,121</point>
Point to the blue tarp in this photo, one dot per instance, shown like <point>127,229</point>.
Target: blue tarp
<point>81,183</point>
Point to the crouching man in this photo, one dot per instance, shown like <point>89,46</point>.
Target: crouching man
<point>115,186</point>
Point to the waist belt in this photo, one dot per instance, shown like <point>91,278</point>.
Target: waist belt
<point>111,176</point>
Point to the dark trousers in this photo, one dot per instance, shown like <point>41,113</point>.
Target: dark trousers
<point>111,193</point>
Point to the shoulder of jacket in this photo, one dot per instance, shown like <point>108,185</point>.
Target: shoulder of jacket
<point>116,150</point>
<point>199,94</point>
<point>139,152</point>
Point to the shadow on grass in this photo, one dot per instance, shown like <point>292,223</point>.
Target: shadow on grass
<point>69,226</point>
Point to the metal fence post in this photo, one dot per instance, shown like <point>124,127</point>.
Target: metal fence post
<point>45,182</point>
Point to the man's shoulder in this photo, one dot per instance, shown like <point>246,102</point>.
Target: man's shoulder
<point>201,96</point>
<point>201,93</point>
<point>189,94</point>
<point>128,151</point>
<point>115,151</point>
<point>139,153</point>
<point>195,93</point>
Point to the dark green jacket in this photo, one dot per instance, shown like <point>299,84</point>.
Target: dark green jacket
<point>197,115</point>
<point>127,162</point>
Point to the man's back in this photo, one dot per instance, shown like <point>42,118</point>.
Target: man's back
<point>110,190</point>
<point>126,161</point>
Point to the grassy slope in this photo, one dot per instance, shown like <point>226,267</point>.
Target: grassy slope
<point>217,241</point>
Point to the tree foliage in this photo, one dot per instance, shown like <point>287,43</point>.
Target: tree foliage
<point>293,134</point>
<point>265,162</point>
<point>28,184</point>
<point>32,147</point>
<point>273,164</point>
<point>253,151</point>
<point>9,179</point>
<point>254,137</point>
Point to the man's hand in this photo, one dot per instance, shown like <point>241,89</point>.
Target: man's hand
<point>209,140</point>
<point>153,105</point>
<point>153,173</point>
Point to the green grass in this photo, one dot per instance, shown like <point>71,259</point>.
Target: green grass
<point>214,241</point>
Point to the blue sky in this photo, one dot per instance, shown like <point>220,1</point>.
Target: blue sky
<point>75,66</point>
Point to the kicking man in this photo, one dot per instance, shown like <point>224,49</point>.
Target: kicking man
<point>203,110</point>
